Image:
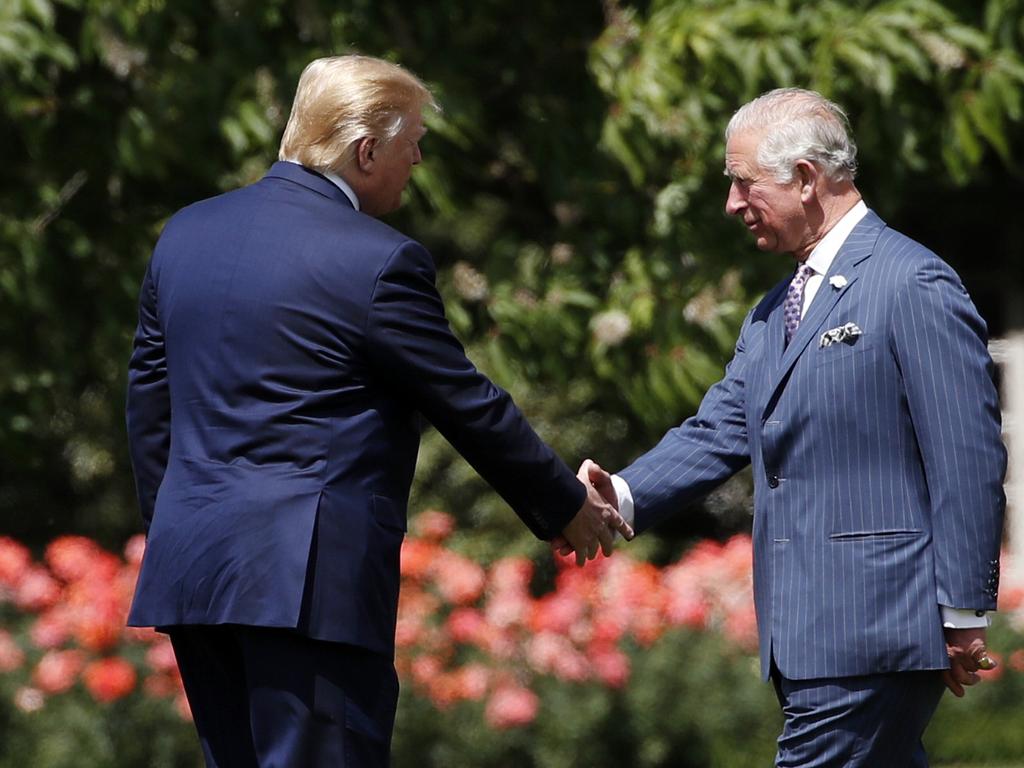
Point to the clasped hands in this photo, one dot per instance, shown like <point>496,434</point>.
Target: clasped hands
<point>598,520</point>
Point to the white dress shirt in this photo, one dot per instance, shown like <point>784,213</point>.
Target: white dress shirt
<point>820,261</point>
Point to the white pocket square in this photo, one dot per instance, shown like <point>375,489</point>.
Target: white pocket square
<point>842,333</point>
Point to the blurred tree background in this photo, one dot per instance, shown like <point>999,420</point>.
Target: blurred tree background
<point>571,193</point>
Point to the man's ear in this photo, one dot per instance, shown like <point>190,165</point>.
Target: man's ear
<point>806,173</point>
<point>365,154</point>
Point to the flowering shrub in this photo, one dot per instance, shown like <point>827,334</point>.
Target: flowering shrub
<point>75,604</point>
<point>622,662</point>
<point>469,634</point>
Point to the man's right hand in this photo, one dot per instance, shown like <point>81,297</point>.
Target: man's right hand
<point>596,522</point>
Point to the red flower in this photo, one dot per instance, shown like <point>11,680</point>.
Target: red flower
<point>15,560</point>
<point>418,558</point>
<point>72,557</point>
<point>109,679</point>
<point>57,670</point>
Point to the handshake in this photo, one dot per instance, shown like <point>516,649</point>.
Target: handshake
<point>597,521</point>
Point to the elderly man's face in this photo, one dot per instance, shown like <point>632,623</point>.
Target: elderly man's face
<point>773,212</point>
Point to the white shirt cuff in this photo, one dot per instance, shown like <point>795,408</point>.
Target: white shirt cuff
<point>625,497</point>
<point>962,618</point>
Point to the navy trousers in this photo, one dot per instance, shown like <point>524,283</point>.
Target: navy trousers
<point>873,721</point>
<point>272,698</point>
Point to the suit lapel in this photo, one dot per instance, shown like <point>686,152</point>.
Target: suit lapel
<point>856,249</point>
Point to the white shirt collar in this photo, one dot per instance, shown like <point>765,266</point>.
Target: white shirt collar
<point>339,182</point>
<point>824,253</point>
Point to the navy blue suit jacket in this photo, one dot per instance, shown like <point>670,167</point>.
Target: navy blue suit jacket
<point>287,345</point>
<point>878,463</point>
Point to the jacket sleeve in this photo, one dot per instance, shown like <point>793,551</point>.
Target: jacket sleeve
<point>411,345</point>
<point>701,453</point>
<point>940,345</point>
<point>148,412</point>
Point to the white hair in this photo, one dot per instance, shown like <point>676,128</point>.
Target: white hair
<point>797,124</point>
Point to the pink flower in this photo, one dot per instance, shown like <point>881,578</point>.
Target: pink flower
<point>51,629</point>
<point>466,625</point>
<point>11,655</point>
<point>551,653</point>
<point>611,665</point>
<point>473,680</point>
<point>433,525</point>
<point>557,612</point>
<point>160,656</point>
<point>511,706</point>
<point>109,679</point>
<point>459,579</point>
<point>37,590</point>
<point>57,670</point>
<point>425,669</point>
<point>740,626</point>
<point>511,574</point>
<point>134,549</point>
<point>415,609</point>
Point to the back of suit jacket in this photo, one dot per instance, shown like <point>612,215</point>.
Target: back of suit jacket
<point>287,345</point>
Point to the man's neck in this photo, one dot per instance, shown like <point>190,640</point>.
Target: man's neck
<point>833,208</point>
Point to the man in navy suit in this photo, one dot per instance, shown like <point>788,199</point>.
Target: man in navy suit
<point>861,392</point>
<point>288,343</point>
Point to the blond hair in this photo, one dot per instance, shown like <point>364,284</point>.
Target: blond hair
<point>342,99</point>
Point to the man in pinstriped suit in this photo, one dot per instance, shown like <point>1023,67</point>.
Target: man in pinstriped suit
<point>861,391</point>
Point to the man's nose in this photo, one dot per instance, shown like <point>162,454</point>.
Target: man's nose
<point>417,156</point>
<point>735,202</point>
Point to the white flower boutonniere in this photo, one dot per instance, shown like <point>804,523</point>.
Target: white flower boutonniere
<point>840,334</point>
<point>837,281</point>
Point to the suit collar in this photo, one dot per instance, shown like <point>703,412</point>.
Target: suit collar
<point>309,179</point>
<point>857,247</point>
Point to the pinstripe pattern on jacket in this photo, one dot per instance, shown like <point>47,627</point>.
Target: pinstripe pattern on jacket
<point>878,462</point>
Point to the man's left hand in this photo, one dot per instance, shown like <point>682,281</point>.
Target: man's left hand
<point>967,654</point>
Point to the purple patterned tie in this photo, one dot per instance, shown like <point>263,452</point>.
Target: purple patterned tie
<point>794,303</point>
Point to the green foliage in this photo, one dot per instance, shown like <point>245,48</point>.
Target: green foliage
<point>570,194</point>
<point>74,732</point>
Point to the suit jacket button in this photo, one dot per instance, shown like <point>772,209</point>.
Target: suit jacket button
<point>773,481</point>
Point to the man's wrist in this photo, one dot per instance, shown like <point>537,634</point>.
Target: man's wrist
<point>963,618</point>
<point>625,498</point>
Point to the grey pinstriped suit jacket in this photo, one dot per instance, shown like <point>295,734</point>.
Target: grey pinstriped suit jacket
<point>878,463</point>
